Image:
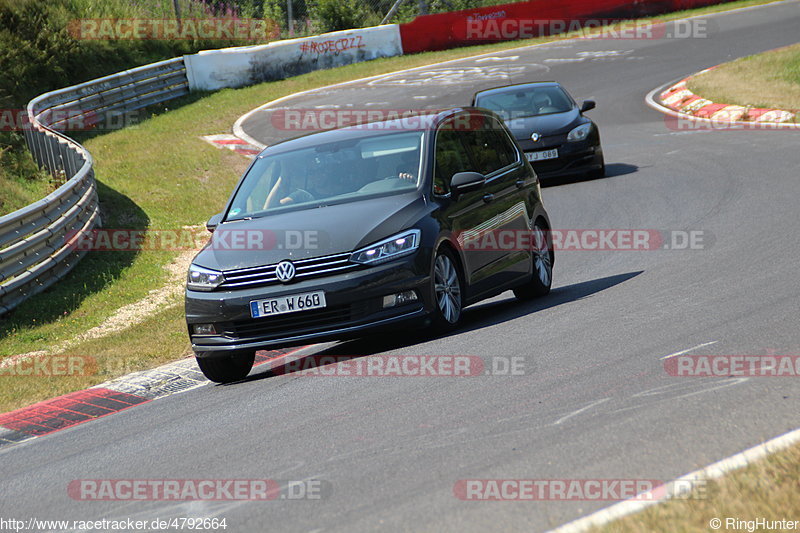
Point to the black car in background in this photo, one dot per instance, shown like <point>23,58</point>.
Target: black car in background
<point>557,138</point>
<point>391,220</point>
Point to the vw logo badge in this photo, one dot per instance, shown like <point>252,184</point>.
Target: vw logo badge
<point>285,271</point>
<point>535,137</point>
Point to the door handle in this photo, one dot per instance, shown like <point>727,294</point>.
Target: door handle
<point>488,197</point>
<point>520,184</point>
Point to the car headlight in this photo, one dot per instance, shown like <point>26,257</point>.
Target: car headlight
<point>388,249</point>
<point>203,279</point>
<point>580,133</point>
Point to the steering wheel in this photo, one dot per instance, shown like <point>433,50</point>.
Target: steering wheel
<point>305,196</point>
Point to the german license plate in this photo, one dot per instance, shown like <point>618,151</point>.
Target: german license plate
<point>287,304</point>
<point>543,155</point>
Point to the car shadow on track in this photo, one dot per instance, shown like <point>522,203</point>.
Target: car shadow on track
<point>475,317</point>
<point>619,169</point>
<point>613,170</point>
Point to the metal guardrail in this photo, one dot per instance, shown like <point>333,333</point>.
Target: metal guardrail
<point>35,241</point>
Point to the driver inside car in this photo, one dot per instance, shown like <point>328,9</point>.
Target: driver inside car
<point>408,166</point>
<point>543,104</point>
<point>289,188</point>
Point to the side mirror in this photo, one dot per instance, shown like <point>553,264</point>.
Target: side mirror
<point>213,222</point>
<point>588,105</point>
<point>466,181</point>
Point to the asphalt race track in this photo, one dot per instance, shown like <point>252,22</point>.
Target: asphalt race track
<point>594,400</point>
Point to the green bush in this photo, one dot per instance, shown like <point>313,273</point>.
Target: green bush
<point>39,53</point>
<point>21,181</point>
<point>334,15</point>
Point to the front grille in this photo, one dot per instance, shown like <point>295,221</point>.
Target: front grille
<point>298,323</point>
<point>305,268</point>
<point>544,143</point>
<point>551,165</point>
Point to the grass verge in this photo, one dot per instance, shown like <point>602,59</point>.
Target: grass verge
<point>765,489</point>
<point>21,181</point>
<point>21,189</point>
<point>160,175</point>
<point>767,80</point>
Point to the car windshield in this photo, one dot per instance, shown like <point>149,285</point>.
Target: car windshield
<point>526,102</point>
<point>338,172</point>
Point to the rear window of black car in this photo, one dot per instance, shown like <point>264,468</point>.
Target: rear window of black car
<point>526,101</point>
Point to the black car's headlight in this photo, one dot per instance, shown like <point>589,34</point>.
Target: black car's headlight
<point>396,246</point>
<point>203,279</point>
<point>580,133</point>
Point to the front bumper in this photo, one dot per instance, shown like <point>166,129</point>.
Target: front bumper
<point>573,157</point>
<point>353,307</point>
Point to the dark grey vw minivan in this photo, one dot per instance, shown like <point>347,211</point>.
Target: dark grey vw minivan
<point>337,233</point>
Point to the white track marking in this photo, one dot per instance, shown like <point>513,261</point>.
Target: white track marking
<point>557,44</point>
<point>687,350</point>
<point>713,471</point>
<point>712,387</point>
<point>565,60</point>
<point>579,411</point>
<point>454,76</point>
<point>496,58</point>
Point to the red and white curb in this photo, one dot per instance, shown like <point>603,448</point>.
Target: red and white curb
<point>683,102</point>
<point>114,396</point>
<point>232,142</point>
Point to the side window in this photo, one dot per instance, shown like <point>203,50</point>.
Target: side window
<point>506,150</point>
<point>451,158</point>
<point>481,144</point>
<point>490,147</point>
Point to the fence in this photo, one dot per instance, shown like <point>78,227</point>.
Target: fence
<point>34,247</point>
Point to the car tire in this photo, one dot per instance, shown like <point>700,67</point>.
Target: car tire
<point>447,284</point>
<point>542,257</point>
<point>228,367</point>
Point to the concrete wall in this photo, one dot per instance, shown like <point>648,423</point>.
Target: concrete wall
<point>238,67</point>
